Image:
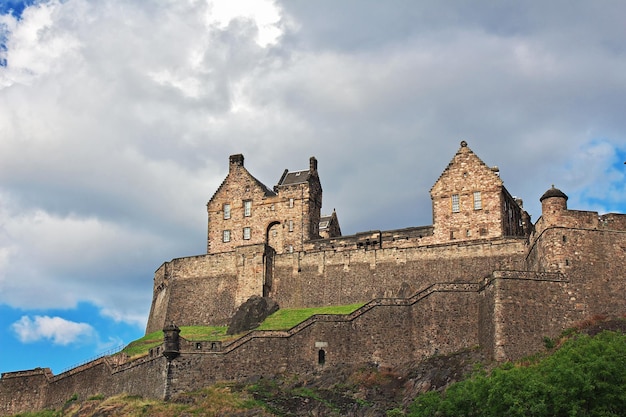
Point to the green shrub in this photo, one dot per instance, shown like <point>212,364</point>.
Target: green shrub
<point>585,377</point>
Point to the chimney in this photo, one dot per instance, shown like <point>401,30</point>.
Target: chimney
<point>235,160</point>
<point>312,164</point>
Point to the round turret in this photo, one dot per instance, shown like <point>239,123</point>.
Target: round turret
<point>553,202</point>
<point>171,338</point>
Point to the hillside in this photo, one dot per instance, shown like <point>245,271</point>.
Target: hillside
<point>583,370</point>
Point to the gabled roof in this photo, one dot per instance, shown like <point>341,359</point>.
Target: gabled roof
<point>268,192</point>
<point>236,161</point>
<point>464,150</point>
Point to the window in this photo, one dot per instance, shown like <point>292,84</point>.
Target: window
<point>246,233</point>
<point>291,203</point>
<point>455,203</point>
<point>226,236</point>
<point>478,202</point>
<point>291,225</point>
<point>247,208</point>
<point>321,357</point>
<point>226,211</point>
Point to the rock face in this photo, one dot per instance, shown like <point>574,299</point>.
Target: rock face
<point>251,313</point>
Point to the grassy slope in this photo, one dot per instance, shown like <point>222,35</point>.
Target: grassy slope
<point>283,319</point>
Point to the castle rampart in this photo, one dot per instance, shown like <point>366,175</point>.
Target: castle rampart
<point>481,277</point>
<point>348,270</point>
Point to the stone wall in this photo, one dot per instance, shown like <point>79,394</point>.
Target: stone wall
<point>207,289</point>
<point>38,389</point>
<point>386,332</point>
<point>24,391</point>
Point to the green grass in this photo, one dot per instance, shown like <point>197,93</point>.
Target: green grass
<point>286,318</point>
<point>283,319</point>
<point>195,333</point>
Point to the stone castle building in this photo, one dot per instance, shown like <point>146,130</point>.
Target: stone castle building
<point>482,275</point>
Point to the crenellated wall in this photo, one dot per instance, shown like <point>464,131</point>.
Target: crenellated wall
<point>207,289</point>
<point>482,277</point>
<point>505,313</point>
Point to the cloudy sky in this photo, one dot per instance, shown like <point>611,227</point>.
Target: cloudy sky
<point>117,118</point>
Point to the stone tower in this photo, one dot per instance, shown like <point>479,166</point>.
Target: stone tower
<point>243,211</point>
<point>470,202</point>
<point>553,204</point>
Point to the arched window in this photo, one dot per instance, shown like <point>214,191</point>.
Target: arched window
<point>321,357</point>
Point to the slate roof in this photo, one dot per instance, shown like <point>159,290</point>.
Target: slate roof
<point>553,192</point>
<point>295,177</point>
<point>325,221</point>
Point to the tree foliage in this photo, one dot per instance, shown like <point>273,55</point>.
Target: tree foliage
<point>585,377</point>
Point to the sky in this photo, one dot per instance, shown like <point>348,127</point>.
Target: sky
<point>117,118</point>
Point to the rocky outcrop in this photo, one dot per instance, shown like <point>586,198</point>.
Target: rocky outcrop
<point>251,313</point>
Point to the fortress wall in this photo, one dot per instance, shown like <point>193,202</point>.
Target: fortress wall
<point>526,311</point>
<point>23,391</point>
<point>592,259</point>
<point>440,323</point>
<point>207,289</point>
<point>374,239</point>
<point>160,300</point>
<point>145,377</point>
<point>201,288</point>
<point>594,263</point>
<point>85,381</point>
<point>345,277</point>
<point>39,389</point>
<point>201,301</point>
<point>486,320</point>
<point>613,221</point>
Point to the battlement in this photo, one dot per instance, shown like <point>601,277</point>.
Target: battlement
<point>481,276</point>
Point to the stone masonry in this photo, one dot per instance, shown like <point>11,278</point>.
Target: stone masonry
<point>482,276</point>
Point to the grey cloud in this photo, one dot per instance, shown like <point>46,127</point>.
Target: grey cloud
<point>131,121</point>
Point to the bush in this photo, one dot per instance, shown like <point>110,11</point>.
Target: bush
<point>585,377</point>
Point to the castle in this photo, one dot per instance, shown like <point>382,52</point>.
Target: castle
<point>481,276</point>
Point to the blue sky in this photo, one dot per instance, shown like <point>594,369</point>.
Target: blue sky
<point>117,118</point>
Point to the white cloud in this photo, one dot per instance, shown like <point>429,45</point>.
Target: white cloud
<point>117,118</point>
<point>56,329</point>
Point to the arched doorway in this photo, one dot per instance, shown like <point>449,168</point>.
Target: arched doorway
<point>272,239</point>
<point>274,236</point>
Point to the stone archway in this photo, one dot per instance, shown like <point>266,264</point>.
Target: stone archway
<point>274,236</point>
<point>273,241</point>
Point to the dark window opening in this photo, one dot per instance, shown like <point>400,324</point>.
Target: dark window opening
<point>321,357</point>
<point>198,346</point>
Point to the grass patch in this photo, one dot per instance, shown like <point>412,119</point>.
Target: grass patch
<point>141,346</point>
<point>283,319</point>
<point>202,333</point>
<point>286,318</point>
